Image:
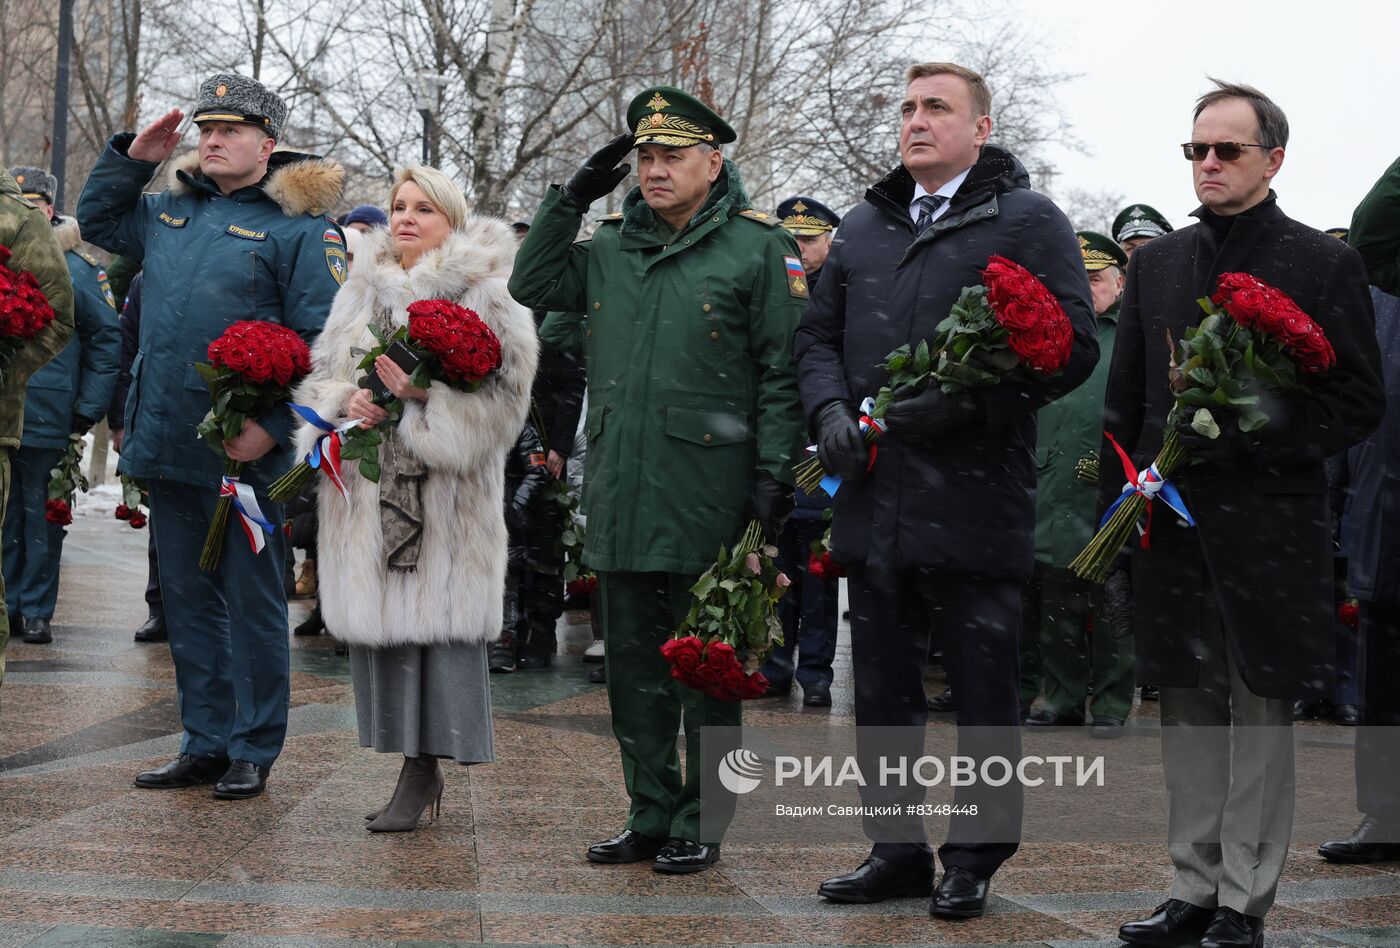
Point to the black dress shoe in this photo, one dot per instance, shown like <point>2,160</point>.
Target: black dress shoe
<point>817,695</point>
<point>1231,929</point>
<point>187,770</point>
<point>313,624</point>
<point>1173,923</point>
<point>152,631</point>
<point>241,781</point>
<point>533,662</point>
<point>778,689</point>
<point>878,879</point>
<point>627,846</point>
<point>943,702</point>
<point>1309,709</point>
<point>1365,845</point>
<point>1151,693</point>
<point>1105,728</point>
<point>599,675</point>
<point>681,856</point>
<point>1047,718</point>
<point>37,632</point>
<point>960,894</point>
<point>1346,715</point>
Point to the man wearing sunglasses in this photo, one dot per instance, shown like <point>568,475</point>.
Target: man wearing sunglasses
<point>1233,617</point>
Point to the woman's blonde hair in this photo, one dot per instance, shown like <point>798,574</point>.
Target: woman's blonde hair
<point>444,195</point>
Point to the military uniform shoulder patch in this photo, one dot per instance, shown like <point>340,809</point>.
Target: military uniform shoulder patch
<point>105,286</point>
<point>337,263</point>
<point>760,217</point>
<point>610,218</point>
<point>332,236</point>
<point>89,259</point>
<point>21,199</point>
<point>170,221</point>
<point>796,277</point>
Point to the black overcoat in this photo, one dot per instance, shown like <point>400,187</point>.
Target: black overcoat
<point>1263,531</point>
<point>967,501</point>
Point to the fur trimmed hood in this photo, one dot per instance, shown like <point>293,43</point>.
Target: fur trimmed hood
<point>298,183</point>
<point>65,231</point>
<point>455,595</point>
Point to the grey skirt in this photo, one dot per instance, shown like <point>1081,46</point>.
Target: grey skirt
<point>424,699</point>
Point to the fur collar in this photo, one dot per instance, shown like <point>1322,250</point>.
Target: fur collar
<point>484,248</point>
<point>65,231</point>
<point>296,182</point>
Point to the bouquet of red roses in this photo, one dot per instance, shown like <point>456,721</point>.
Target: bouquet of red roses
<point>733,623</point>
<point>65,480</point>
<point>1009,326</point>
<point>1253,338</point>
<point>133,498</point>
<point>454,346</point>
<point>251,370</point>
<point>24,310</point>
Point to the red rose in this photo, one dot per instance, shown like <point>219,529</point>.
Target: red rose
<point>58,511</point>
<point>720,654</point>
<point>684,653</point>
<point>259,366</point>
<point>138,520</point>
<point>123,512</point>
<point>1349,614</point>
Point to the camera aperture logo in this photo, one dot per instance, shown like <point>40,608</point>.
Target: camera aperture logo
<point>740,771</point>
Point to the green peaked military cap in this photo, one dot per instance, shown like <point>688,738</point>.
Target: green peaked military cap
<point>35,182</point>
<point>1139,220</point>
<point>664,115</point>
<point>229,97</point>
<point>1100,252</point>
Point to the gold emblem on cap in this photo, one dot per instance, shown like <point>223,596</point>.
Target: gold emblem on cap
<point>656,118</point>
<point>1083,243</point>
<point>799,207</point>
<point>221,91</point>
<point>656,103</point>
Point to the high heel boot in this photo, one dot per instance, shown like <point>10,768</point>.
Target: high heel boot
<point>419,787</point>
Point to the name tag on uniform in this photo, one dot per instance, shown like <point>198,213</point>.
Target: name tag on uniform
<point>247,234</point>
<point>169,221</point>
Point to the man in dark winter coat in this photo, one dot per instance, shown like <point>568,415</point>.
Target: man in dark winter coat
<point>1373,541</point>
<point>1233,618</point>
<point>940,531</point>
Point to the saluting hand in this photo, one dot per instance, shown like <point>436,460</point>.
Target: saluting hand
<point>157,140</point>
<point>599,174</point>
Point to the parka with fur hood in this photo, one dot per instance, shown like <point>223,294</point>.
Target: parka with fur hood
<point>263,252</point>
<point>454,594</point>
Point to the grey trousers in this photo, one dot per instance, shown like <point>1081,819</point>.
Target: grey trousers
<point>1227,755</point>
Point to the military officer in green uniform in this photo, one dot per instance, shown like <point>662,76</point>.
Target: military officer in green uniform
<point>1136,224</point>
<point>1063,615</point>
<point>684,305</point>
<point>240,234</point>
<point>25,231</point>
<point>66,397</point>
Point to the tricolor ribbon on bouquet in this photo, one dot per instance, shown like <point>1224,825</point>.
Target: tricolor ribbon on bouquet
<point>325,453</point>
<point>250,515</point>
<point>1150,483</point>
<point>831,483</point>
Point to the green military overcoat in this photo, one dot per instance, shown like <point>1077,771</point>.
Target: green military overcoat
<point>26,231</point>
<point>687,341</point>
<point>1069,429</point>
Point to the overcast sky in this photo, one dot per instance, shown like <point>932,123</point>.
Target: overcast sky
<point>1333,67</point>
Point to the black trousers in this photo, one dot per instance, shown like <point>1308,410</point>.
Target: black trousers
<point>154,602</point>
<point>976,620</point>
<point>1378,738</point>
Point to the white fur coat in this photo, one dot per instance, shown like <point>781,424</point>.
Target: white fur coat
<point>462,439</point>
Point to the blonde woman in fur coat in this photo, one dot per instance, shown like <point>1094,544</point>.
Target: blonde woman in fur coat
<point>412,568</point>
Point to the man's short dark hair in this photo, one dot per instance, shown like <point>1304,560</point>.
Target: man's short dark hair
<point>1273,124</point>
<point>976,85</point>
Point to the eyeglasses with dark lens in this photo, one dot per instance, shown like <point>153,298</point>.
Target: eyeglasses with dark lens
<point>1225,151</point>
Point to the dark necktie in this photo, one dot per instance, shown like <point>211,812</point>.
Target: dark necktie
<point>928,204</point>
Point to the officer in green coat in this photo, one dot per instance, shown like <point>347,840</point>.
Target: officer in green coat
<point>684,305</point>
<point>1062,615</point>
<point>241,234</point>
<point>25,231</point>
<point>66,397</point>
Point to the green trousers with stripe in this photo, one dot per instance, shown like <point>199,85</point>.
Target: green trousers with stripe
<point>638,613</point>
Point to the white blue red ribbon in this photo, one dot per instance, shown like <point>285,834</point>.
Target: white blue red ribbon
<point>250,515</point>
<point>1151,485</point>
<point>831,483</point>
<point>325,453</point>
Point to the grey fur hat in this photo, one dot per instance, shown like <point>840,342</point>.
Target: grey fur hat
<point>229,97</point>
<point>35,182</point>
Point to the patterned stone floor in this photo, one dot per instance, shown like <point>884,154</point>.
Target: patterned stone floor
<point>88,860</point>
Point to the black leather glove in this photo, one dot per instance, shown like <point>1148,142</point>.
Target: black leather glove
<point>841,447</point>
<point>772,503</point>
<point>924,417</point>
<point>1229,448</point>
<point>599,174</point>
<point>82,425</point>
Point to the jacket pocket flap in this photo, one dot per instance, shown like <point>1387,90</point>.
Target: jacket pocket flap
<point>709,428</point>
